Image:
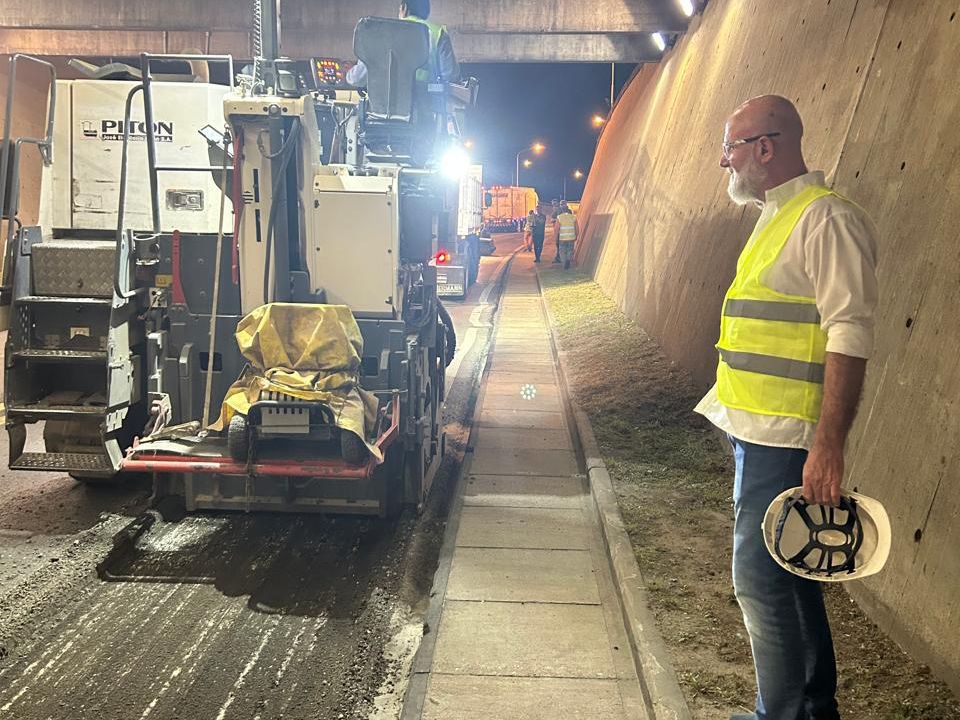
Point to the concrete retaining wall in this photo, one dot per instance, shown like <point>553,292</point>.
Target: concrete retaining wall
<point>876,84</point>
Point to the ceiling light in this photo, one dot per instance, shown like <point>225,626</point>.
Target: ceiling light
<point>688,7</point>
<point>660,41</point>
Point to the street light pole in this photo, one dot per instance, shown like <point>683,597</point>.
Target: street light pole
<point>577,175</point>
<point>613,75</point>
<point>536,148</point>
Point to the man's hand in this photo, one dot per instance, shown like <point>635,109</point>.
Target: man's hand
<point>823,474</point>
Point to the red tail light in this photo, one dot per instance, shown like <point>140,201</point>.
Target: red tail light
<point>442,257</point>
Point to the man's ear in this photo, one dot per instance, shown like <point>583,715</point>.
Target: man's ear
<point>766,150</point>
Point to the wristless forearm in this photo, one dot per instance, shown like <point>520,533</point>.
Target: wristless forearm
<point>842,383</point>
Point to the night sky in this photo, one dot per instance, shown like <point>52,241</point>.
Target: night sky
<point>522,103</point>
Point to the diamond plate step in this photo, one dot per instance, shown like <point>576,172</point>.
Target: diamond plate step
<point>67,266</point>
<point>61,355</point>
<point>55,412</point>
<point>35,299</point>
<point>70,462</point>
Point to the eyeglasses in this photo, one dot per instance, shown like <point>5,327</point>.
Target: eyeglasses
<point>730,145</point>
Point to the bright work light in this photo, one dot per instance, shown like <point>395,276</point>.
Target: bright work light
<point>660,41</point>
<point>688,7</point>
<point>454,163</point>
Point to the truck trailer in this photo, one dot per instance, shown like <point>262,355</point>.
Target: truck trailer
<point>507,206</point>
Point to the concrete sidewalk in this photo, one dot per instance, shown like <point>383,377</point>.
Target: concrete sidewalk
<point>529,625</point>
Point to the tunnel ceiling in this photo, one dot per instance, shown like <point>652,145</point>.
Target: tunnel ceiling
<point>482,30</point>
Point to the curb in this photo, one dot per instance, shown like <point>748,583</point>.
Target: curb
<point>655,671</point>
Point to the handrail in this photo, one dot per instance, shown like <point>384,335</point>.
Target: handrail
<point>145,86</point>
<point>147,81</point>
<point>120,292</point>
<point>45,146</point>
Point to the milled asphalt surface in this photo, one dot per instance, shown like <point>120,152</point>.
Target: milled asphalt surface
<point>261,616</point>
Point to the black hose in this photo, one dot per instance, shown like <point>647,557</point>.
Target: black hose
<point>449,331</point>
<point>286,151</point>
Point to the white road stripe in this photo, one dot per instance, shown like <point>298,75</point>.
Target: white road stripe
<point>243,675</point>
<point>470,336</point>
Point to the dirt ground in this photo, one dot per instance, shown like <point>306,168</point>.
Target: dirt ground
<point>673,479</point>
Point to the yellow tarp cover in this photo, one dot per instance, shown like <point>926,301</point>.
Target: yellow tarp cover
<point>310,352</point>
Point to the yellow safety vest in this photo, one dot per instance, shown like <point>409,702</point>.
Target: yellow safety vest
<point>772,350</point>
<point>567,226</point>
<point>431,71</point>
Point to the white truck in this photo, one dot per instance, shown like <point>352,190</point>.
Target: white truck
<point>457,266</point>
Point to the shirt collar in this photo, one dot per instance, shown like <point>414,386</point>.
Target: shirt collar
<point>782,193</point>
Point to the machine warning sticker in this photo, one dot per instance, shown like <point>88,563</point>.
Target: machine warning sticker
<point>163,280</point>
<point>112,130</point>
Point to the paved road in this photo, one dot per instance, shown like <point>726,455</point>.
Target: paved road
<point>260,616</point>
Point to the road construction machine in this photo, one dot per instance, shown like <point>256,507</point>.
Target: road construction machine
<point>173,210</point>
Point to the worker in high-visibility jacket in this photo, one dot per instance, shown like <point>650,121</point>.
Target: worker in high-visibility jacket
<point>442,65</point>
<point>795,331</point>
<point>565,229</point>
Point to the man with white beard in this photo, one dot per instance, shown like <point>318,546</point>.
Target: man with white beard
<point>795,332</point>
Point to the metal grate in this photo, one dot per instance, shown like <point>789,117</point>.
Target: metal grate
<point>86,462</point>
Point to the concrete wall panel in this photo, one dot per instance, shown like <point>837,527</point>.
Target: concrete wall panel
<point>874,83</point>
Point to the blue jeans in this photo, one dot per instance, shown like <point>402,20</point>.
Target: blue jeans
<point>784,614</point>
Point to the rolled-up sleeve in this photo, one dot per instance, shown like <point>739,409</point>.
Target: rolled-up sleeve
<point>357,75</point>
<point>840,254</point>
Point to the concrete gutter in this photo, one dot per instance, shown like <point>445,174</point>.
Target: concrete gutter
<point>657,676</point>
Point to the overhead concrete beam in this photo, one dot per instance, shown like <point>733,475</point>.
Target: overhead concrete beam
<point>506,48</point>
<point>469,16</point>
<point>553,47</point>
<point>469,47</point>
<point>124,43</point>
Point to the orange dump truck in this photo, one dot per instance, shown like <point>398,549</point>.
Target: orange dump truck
<point>507,206</point>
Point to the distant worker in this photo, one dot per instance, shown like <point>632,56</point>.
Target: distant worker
<point>537,233</point>
<point>565,229</point>
<point>442,65</point>
<point>795,331</point>
<point>528,231</point>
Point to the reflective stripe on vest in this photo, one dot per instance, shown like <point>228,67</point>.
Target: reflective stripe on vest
<point>568,227</point>
<point>431,71</point>
<point>776,366</point>
<point>783,311</point>
<point>772,350</point>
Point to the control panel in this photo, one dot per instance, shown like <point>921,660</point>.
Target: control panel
<point>330,73</point>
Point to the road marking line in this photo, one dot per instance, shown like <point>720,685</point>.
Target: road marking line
<point>471,335</point>
<point>243,675</point>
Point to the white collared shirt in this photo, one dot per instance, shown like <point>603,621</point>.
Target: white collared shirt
<point>831,255</point>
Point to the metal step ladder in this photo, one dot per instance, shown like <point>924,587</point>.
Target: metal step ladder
<point>58,351</point>
<point>73,353</point>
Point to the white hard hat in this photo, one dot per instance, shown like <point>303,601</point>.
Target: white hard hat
<point>830,544</point>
